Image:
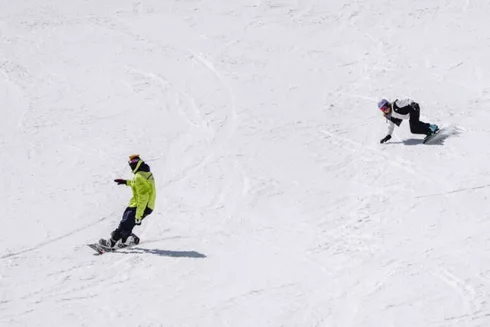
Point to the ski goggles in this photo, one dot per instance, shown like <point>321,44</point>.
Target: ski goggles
<point>385,108</point>
<point>133,161</point>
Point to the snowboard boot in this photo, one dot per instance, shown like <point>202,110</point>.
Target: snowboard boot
<point>135,240</point>
<point>433,129</point>
<point>107,243</point>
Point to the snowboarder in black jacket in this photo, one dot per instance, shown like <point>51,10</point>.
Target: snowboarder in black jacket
<point>398,110</point>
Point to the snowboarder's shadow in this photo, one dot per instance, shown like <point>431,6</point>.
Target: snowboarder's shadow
<point>165,253</point>
<point>439,141</point>
<point>412,141</point>
<point>408,142</point>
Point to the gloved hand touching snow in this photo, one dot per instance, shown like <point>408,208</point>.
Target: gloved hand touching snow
<point>386,138</point>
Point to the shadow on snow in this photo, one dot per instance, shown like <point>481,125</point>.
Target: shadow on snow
<point>164,253</point>
<point>439,141</point>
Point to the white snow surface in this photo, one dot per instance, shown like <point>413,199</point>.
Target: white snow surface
<point>277,205</point>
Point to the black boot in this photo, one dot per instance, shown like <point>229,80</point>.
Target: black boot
<point>136,239</point>
<point>107,243</point>
<point>115,237</point>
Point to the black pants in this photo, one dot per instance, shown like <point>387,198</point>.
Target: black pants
<point>417,126</point>
<point>125,228</point>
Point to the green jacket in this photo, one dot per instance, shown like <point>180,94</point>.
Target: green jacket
<point>144,191</point>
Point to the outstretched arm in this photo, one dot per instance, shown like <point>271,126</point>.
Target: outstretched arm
<point>391,127</point>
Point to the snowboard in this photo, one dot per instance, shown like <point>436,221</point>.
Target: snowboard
<point>433,136</point>
<point>101,249</point>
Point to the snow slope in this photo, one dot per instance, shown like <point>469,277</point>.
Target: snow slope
<point>277,206</point>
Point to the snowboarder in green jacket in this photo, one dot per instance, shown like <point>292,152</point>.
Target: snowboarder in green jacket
<point>140,206</point>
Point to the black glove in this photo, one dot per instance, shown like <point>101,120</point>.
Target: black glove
<point>120,181</point>
<point>386,138</point>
